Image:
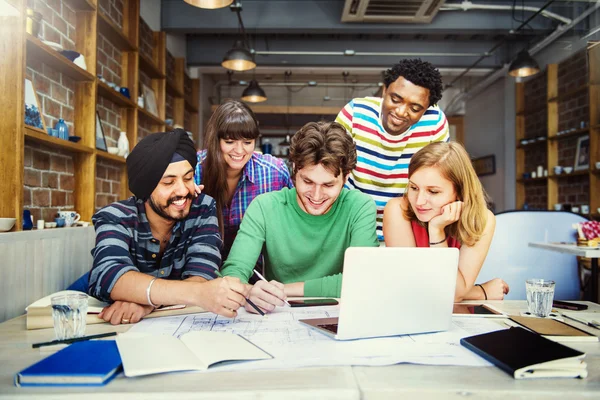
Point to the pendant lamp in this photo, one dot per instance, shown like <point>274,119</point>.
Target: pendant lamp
<point>238,58</point>
<point>524,65</point>
<point>254,93</point>
<point>210,4</point>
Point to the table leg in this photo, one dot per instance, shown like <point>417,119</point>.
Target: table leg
<point>595,280</point>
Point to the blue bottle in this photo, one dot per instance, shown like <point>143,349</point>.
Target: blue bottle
<point>63,129</point>
<point>27,222</point>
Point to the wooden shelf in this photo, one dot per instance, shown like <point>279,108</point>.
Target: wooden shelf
<point>149,67</point>
<point>172,90</point>
<point>81,5</point>
<point>577,132</point>
<point>567,95</point>
<point>114,34</point>
<point>148,115</point>
<point>529,145</point>
<point>38,50</point>
<point>190,107</point>
<point>574,173</point>
<point>107,156</point>
<point>542,179</point>
<point>532,110</point>
<point>111,94</point>
<point>38,135</point>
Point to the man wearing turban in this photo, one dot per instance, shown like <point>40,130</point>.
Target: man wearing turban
<point>161,246</point>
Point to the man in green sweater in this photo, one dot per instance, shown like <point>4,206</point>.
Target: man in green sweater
<point>304,232</point>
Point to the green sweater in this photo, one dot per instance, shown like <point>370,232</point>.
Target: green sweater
<point>299,247</point>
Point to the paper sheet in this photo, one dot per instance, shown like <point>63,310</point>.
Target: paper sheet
<point>294,345</point>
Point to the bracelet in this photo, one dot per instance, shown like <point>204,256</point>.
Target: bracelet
<point>484,293</point>
<point>148,293</point>
<point>441,241</point>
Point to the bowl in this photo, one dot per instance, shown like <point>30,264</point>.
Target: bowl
<point>597,164</point>
<point>48,225</point>
<point>568,170</point>
<point>6,224</point>
<point>74,139</point>
<point>113,150</point>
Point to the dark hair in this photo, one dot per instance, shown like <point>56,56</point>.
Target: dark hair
<point>325,143</point>
<point>420,73</point>
<point>231,120</point>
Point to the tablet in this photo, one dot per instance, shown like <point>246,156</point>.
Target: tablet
<point>476,310</point>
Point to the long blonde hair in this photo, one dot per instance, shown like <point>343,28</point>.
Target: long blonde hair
<point>455,165</point>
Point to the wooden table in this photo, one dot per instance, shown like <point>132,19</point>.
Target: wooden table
<point>593,253</point>
<point>399,381</point>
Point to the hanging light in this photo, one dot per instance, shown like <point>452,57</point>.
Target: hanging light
<point>210,4</point>
<point>524,65</point>
<point>254,93</point>
<point>238,58</point>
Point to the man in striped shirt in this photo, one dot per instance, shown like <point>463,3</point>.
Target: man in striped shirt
<point>165,231</point>
<point>388,130</point>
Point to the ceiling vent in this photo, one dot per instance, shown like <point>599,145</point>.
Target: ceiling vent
<point>390,11</point>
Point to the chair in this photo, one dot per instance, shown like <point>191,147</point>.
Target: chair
<point>511,258</point>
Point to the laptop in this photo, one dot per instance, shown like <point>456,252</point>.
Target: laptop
<point>389,291</point>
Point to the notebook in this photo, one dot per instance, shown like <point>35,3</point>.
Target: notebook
<point>379,289</point>
<point>555,330</point>
<point>146,354</point>
<point>89,363</point>
<point>525,355</point>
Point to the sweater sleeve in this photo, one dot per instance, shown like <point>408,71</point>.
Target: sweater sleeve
<point>344,117</point>
<point>363,234</point>
<point>248,243</point>
<point>442,130</point>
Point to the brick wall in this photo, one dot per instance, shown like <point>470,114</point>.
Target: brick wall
<point>535,156</point>
<point>536,195</point>
<point>574,190</point>
<point>535,91</point>
<point>146,39</point>
<point>536,123</point>
<point>170,65</point>
<point>108,183</point>
<point>112,9</point>
<point>169,102</point>
<point>573,72</point>
<point>48,181</point>
<point>187,121</point>
<point>573,111</point>
<point>187,86</point>
<point>567,149</point>
<point>144,128</point>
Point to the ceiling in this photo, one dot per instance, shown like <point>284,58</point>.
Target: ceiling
<point>309,38</point>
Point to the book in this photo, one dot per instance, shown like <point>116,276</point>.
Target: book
<point>554,330</point>
<point>525,355</point>
<point>88,363</point>
<point>39,313</point>
<point>146,354</point>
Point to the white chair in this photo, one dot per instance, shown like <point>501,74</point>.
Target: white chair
<point>511,258</point>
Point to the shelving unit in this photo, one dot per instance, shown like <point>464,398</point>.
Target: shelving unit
<point>556,104</point>
<point>91,24</point>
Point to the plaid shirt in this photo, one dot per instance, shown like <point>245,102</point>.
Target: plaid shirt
<point>124,242</point>
<point>263,173</point>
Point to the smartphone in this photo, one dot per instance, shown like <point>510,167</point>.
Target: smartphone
<point>567,305</point>
<point>313,302</point>
<point>473,309</point>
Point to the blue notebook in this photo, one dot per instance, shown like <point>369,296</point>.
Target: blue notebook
<point>89,363</point>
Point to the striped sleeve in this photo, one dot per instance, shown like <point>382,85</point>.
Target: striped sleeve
<point>441,132</point>
<point>345,117</point>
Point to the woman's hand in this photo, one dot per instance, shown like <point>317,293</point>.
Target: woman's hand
<point>496,289</point>
<point>199,189</point>
<point>450,214</point>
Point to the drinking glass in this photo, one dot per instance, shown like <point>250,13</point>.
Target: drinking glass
<point>540,294</point>
<point>69,314</point>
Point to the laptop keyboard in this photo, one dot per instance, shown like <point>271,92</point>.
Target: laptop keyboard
<point>329,327</point>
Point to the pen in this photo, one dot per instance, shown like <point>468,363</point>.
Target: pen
<point>255,307</point>
<point>262,278</point>
<point>73,340</point>
<point>593,324</point>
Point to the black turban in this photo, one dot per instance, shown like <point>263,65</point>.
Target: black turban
<point>149,160</point>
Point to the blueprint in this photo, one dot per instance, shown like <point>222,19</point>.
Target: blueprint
<point>295,345</point>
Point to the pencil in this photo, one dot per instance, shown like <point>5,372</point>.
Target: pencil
<point>255,307</point>
<point>73,340</point>
<point>262,278</point>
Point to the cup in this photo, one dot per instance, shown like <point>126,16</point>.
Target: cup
<point>558,207</point>
<point>540,294</point>
<point>69,314</point>
<point>125,92</point>
<point>597,164</point>
<point>575,209</point>
<point>568,170</point>
<point>40,224</point>
<point>558,170</point>
<point>60,222</point>
<point>585,209</point>
<point>70,217</point>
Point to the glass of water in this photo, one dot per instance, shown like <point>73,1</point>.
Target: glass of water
<point>540,294</point>
<point>69,314</point>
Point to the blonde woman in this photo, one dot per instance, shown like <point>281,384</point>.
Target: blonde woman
<point>444,206</point>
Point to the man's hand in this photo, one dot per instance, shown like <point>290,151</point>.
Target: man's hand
<point>124,312</point>
<point>222,296</point>
<point>266,295</point>
<point>495,289</point>
<point>450,214</point>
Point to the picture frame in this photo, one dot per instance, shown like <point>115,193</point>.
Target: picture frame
<point>485,165</point>
<point>100,138</point>
<point>33,116</point>
<point>149,100</point>
<point>582,155</point>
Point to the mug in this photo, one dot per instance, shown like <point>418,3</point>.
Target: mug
<point>70,217</point>
<point>125,92</point>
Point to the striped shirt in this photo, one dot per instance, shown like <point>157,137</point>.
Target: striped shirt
<point>382,164</point>
<point>124,242</point>
<point>262,173</point>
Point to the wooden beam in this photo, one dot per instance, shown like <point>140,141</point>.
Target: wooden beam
<point>264,109</point>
